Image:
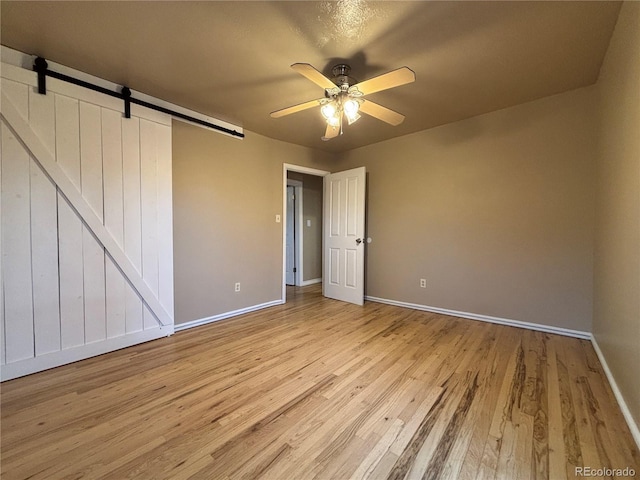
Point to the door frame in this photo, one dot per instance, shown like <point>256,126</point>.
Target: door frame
<point>297,230</point>
<point>289,167</point>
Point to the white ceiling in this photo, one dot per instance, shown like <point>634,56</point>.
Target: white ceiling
<point>231,59</point>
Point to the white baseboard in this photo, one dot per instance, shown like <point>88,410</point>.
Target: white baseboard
<point>633,426</point>
<point>222,316</point>
<point>486,318</point>
<point>63,357</point>
<point>304,283</point>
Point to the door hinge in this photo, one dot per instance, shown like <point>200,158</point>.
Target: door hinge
<point>295,269</point>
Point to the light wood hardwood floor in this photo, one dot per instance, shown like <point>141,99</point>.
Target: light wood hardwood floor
<point>320,389</point>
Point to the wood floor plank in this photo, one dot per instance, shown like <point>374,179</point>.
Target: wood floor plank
<point>319,389</point>
<point>557,452</point>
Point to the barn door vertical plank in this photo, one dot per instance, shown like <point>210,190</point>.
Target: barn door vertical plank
<point>112,174</point>
<point>44,232</point>
<point>91,157</point>
<point>16,236</point>
<point>115,300</point>
<point>165,219</point>
<point>149,201</point>
<point>42,118</point>
<point>113,219</point>
<point>149,319</point>
<point>94,288</point>
<point>92,250</point>
<point>132,216</point>
<point>44,252</point>
<point>68,137</point>
<point>131,193</point>
<point>69,225</point>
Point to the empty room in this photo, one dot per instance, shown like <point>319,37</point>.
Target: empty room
<point>291,240</point>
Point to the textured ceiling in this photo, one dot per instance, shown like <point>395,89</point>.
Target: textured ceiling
<point>231,60</point>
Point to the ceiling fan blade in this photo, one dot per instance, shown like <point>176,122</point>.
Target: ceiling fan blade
<point>331,132</point>
<point>381,113</point>
<point>392,79</point>
<point>312,74</point>
<point>295,108</point>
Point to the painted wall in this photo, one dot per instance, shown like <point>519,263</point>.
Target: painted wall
<point>312,233</point>
<point>495,212</point>
<point>227,193</point>
<point>616,322</point>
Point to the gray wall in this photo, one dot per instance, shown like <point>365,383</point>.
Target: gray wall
<point>495,212</point>
<point>226,195</point>
<point>616,322</point>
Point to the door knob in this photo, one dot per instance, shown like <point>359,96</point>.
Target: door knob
<point>358,241</point>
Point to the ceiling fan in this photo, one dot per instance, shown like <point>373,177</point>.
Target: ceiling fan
<point>343,96</point>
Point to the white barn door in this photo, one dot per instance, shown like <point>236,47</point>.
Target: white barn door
<point>86,229</point>
<point>344,202</point>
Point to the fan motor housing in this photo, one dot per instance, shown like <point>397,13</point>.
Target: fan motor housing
<point>341,76</point>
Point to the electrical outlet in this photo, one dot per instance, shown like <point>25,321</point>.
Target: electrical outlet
<point>423,283</point>
<point>237,287</point>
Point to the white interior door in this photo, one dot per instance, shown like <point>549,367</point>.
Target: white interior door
<point>344,202</point>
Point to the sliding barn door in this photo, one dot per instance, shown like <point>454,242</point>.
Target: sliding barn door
<point>87,263</point>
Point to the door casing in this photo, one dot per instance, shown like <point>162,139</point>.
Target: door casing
<point>288,167</point>
<point>297,232</point>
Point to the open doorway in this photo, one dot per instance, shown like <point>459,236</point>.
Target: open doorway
<point>302,228</point>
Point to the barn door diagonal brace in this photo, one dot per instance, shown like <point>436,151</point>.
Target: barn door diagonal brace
<point>25,134</point>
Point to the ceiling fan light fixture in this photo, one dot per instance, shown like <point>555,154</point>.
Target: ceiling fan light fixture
<point>343,96</point>
<point>352,118</point>
<point>329,110</point>
<point>351,108</point>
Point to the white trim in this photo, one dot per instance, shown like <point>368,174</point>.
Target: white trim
<point>304,283</point>
<point>222,316</point>
<point>298,230</point>
<point>298,233</point>
<point>300,169</point>
<point>288,167</point>
<point>63,357</point>
<point>626,413</point>
<point>25,61</point>
<point>486,318</point>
